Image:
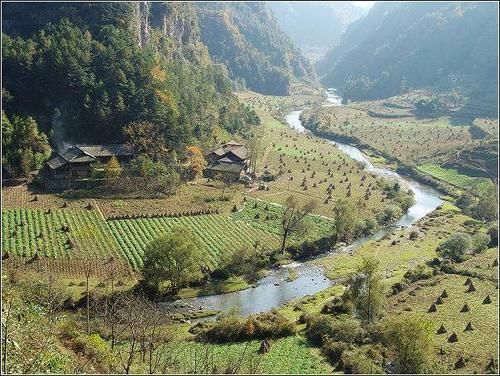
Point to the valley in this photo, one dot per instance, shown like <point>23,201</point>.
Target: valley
<point>194,193</point>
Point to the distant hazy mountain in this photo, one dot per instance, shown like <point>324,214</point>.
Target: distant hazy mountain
<point>315,26</point>
<point>400,45</point>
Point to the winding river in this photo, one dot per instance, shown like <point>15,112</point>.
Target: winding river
<point>274,290</point>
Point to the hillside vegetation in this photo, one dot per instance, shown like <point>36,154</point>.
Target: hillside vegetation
<point>414,45</point>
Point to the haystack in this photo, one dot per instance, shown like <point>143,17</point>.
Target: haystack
<point>453,338</point>
<point>441,330</point>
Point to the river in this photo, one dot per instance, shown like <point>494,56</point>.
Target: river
<point>274,290</point>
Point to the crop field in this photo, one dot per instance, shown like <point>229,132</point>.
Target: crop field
<point>278,105</point>
<point>267,217</point>
<point>476,346</point>
<point>454,178</point>
<point>197,196</point>
<point>68,237</point>
<point>59,240</point>
<point>29,231</point>
<point>406,139</point>
<point>312,169</point>
<point>219,234</point>
<point>188,197</point>
<point>22,197</point>
<point>276,361</point>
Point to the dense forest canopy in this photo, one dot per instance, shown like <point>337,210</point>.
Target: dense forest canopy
<point>401,45</point>
<point>83,71</point>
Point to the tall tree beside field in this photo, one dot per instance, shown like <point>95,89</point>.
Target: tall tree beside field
<point>293,218</point>
<point>196,160</point>
<point>344,221</point>
<point>175,257</point>
<point>112,168</point>
<point>366,290</point>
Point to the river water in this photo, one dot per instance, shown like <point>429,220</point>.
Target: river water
<point>274,290</point>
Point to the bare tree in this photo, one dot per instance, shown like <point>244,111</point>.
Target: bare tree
<point>293,218</point>
<point>87,270</point>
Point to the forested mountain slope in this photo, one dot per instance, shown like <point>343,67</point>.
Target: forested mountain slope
<point>401,45</point>
<point>313,26</point>
<point>92,68</point>
<point>246,38</point>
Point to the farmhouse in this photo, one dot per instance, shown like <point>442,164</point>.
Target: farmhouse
<point>227,161</point>
<point>78,161</point>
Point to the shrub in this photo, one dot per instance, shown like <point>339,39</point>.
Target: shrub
<point>363,360</point>
<point>231,327</point>
<point>480,242</point>
<point>98,350</point>
<point>455,247</point>
<point>333,350</point>
<point>337,306</point>
<point>342,328</point>
<point>418,273</point>
<point>493,233</point>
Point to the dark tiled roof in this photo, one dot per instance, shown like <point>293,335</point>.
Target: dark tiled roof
<point>88,153</point>
<point>56,162</point>
<point>240,152</point>
<point>106,150</point>
<point>225,167</point>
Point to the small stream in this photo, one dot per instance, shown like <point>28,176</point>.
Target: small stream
<point>274,290</point>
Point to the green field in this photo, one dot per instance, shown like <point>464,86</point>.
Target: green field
<point>26,232</point>
<point>408,139</point>
<point>266,217</point>
<point>29,231</point>
<point>189,357</point>
<point>455,178</point>
<point>219,234</point>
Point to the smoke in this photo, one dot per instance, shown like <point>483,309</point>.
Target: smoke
<point>58,132</point>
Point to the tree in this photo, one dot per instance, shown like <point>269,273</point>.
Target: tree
<point>146,138</point>
<point>293,218</point>
<point>175,257</point>
<point>24,147</point>
<point>366,290</point>
<point>254,149</point>
<point>411,340</point>
<point>344,221</point>
<point>226,180</point>
<point>455,247</point>
<point>487,205</point>
<point>196,160</point>
<point>112,169</point>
